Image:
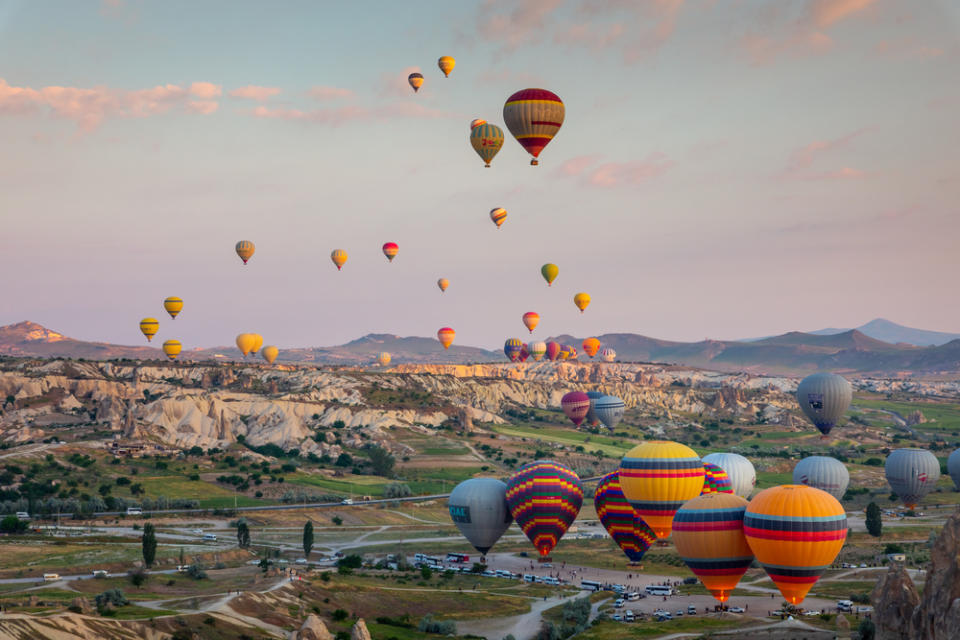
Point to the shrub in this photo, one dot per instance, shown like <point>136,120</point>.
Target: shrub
<point>339,615</point>
<point>429,625</point>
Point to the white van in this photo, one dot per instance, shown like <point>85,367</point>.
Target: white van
<point>658,590</point>
<point>23,515</point>
<point>51,577</point>
<point>99,573</point>
<point>632,596</point>
<point>550,580</point>
<point>134,511</point>
<point>528,577</point>
<point>845,605</point>
<point>503,573</point>
<point>209,536</point>
<point>628,616</point>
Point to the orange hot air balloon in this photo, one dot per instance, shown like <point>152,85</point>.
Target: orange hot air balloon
<point>446,64</point>
<point>390,250</point>
<point>531,319</point>
<point>581,300</point>
<point>591,346</point>
<point>443,283</point>
<point>498,215</point>
<point>416,81</point>
<point>339,257</point>
<point>446,336</point>
<point>245,250</point>
<point>476,122</point>
<point>796,532</point>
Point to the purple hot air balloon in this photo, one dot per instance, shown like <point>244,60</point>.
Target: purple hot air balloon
<point>575,405</point>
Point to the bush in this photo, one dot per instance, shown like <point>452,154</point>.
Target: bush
<point>112,597</point>
<point>397,490</point>
<point>351,561</point>
<point>196,572</point>
<point>429,625</point>
<point>339,615</point>
<point>138,576</point>
<point>13,524</point>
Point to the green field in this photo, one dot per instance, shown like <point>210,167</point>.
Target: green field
<point>569,437</point>
<point>611,630</point>
<point>212,496</point>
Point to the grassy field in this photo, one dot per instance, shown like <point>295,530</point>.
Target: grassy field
<point>941,416</point>
<point>569,437</point>
<point>210,495</point>
<point>842,589</point>
<point>610,630</point>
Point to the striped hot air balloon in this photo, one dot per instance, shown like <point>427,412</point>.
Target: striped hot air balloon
<point>486,139</point>
<point>592,418</point>
<point>446,335</point>
<point>149,327</point>
<point>172,348</point>
<point>512,348</point>
<point>544,498</point>
<point>657,477</point>
<point>533,116</point>
<point>446,64</point>
<point>339,258</point>
<point>476,122</point>
<point>537,350</point>
<point>715,480</point>
<point>743,477</point>
<point>530,320</point>
<point>245,250</point>
<point>796,532</point>
<point>575,405</point>
<point>390,250</point>
<point>631,534</point>
<point>609,410</point>
<point>553,350</point>
<point>498,215</point>
<point>608,355</point>
<point>416,81</point>
<point>708,534</point>
<point>383,358</point>
<point>173,305</point>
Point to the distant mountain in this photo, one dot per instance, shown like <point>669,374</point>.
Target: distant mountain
<point>891,332</point>
<point>29,339</point>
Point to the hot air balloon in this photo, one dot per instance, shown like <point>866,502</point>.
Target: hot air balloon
<point>533,116</point>
<point>173,305</point>
<point>575,405</point>
<point>657,477</point>
<point>416,81</point>
<point>531,319</point>
<point>245,342</point>
<point>476,122</point>
<point>592,418</point>
<point>824,398</point>
<point>708,534</point>
<point>443,283</point>
<point>549,272</point>
<point>149,327</point>
<point>564,354</point>
<point>581,300</point>
<point>715,480</point>
<point>571,351</point>
<point>824,473</point>
<point>446,336</point>
<point>912,474</point>
<point>524,354</point>
<point>390,250</point>
<point>512,348</point>
<point>245,250</point>
<point>553,350</point>
<point>498,215</point>
<point>631,534</point>
<point>486,139</point>
<point>270,353</point>
<point>537,350</point>
<point>591,346</point>
<point>796,532</point>
<point>478,507</point>
<point>609,410</point>
<point>544,498</point>
<point>339,257</point>
<point>257,342</point>
<point>953,468</point>
<point>383,358</point>
<point>446,64</point>
<point>743,477</point>
<point>172,348</point>
<point>608,355</point>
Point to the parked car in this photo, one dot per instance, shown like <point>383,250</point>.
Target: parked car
<point>679,613</point>
<point>735,609</point>
<point>691,610</point>
<point>617,617</point>
<point>618,603</point>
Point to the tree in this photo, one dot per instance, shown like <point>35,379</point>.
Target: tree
<point>867,629</point>
<point>149,544</point>
<point>344,460</point>
<point>12,524</point>
<point>874,523</point>
<point>307,539</point>
<point>397,490</point>
<point>381,460</point>
<point>243,534</point>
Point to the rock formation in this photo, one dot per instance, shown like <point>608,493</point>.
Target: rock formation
<point>359,631</point>
<point>894,600</point>
<point>938,617</point>
<point>312,629</point>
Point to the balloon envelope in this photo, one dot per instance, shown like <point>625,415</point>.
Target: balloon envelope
<point>476,122</point>
<point>708,534</point>
<point>486,140</point>
<point>245,342</point>
<point>581,300</point>
<point>149,327</point>
<point>553,350</point>
<point>172,348</point>
<point>270,353</point>
<point>592,418</point>
<point>446,64</point>
<point>796,532</point>
<point>631,534</point>
<point>575,405</point>
<point>383,358</point>
<point>537,349</point>
<point>912,474</point>
<point>443,283</point>
<point>544,498</point>
<point>446,336</point>
<point>743,477</point>
<point>498,215</point>
<point>416,81</point>
<point>591,346</point>
<point>609,410</point>
<point>512,348</point>
<point>824,473</point>
<point>657,477</point>
<point>390,250</point>
<point>257,342</point>
<point>549,272</point>
<point>533,116</point>
<point>245,250</point>
<point>530,320</point>
<point>608,355</point>
<point>339,257</point>
<point>953,468</point>
<point>478,507</point>
<point>173,305</point>
<point>715,480</point>
<point>824,398</point>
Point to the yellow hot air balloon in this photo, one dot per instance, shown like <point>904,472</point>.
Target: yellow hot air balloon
<point>446,336</point>
<point>173,305</point>
<point>383,359</point>
<point>581,300</point>
<point>446,64</point>
<point>149,327</point>
<point>549,272</point>
<point>245,342</point>
<point>498,215</point>
<point>416,81</point>
<point>245,250</point>
<point>172,348</point>
<point>657,477</point>
<point>257,342</point>
<point>591,346</point>
<point>270,353</point>
<point>443,283</point>
<point>339,257</point>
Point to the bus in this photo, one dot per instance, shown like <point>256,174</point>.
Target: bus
<point>591,585</point>
<point>658,590</point>
<point>134,511</point>
<point>424,559</point>
<point>459,558</point>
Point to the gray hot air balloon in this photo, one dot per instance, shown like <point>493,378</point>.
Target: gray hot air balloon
<point>822,472</point>
<point>591,418</point>
<point>478,507</point>
<point>824,397</point>
<point>743,477</point>
<point>609,410</point>
<point>953,467</point>
<point>912,474</point>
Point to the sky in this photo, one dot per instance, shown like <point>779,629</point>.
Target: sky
<point>725,169</point>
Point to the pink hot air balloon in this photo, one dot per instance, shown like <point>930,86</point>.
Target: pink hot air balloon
<point>553,350</point>
<point>575,405</point>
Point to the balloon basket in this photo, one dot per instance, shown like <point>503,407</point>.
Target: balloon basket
<point>534,163</point>
<point>544,559</point>
<point>483,559</point>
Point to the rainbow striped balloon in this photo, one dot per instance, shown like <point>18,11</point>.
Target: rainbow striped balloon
<point>544,498</point>
<point>796,532</point>
<point>715,480</point>
<point>708,534</point>
<point>657,477</point>
<point>620,520</point>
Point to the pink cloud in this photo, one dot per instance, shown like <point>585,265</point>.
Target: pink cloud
<point>577,165</point>
<point>844,173</point>
<point>254,92</point>
<point>615,174</point>
<point>329,93</point>
<point>203,107</point>
<point>88,108</point>
<point>802,159</point>
<point>827,12</point>
<point>352,113</point>
<point>763,50</point>
<point>523,25</point>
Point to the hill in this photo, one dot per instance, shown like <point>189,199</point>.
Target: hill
<point>883,329</point>
<point>29,339</point>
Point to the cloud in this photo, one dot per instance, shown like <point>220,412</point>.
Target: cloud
<point>763,50</point>
<point>254,92</point>
<point>88,108</point>
<point>844,173</point>
<point>585,35</point>
<point>329,93</point>
<point>907,49</point>
<point>802,159</point>
<point>523,25</point>
<point>594,173</point>
<point>825,13</point>
<point>352,113</point>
